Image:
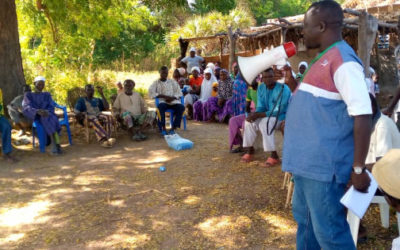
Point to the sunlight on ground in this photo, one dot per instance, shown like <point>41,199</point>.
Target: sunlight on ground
<point>225,230</point>
<point>124,238</point>
<point>156,157</point>
<point>90,179</point>
<point>11,238</point>
<point>192,199</point>
<point>24,215</point>
<point>281,224</point>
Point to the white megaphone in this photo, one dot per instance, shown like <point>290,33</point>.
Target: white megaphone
<point>250,67</point>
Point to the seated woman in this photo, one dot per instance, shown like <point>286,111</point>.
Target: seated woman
<point>195,81</point>
<point>207,88</point>
<point>39,106</point>
<point>179,76</point>
<point>92,107</point>
<point>237,122</point>
<point>222,104</point>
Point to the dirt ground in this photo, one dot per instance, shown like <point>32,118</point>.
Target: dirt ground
<point>96,198</point>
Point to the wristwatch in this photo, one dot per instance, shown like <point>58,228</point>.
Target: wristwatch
<point>358,169</point>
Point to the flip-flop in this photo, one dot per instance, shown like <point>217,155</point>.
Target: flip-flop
<point>236,150</point>
<point>270,162</point>
<point>247,158</point>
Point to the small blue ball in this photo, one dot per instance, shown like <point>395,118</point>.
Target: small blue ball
<point>162,168</point>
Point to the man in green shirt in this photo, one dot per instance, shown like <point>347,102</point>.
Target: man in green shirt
<point>5,131</point>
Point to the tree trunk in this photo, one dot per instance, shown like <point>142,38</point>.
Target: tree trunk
<point>11,72</point>
<point>367,27</point>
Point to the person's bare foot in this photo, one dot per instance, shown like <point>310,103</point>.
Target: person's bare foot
<point>9,158</point>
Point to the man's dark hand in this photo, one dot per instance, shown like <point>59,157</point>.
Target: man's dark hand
<point>252,117</point>
<point>388,111</point>
<point>361,181</point>
<point>100,90</point>
<point>169,99</point>
<point>43,112</point>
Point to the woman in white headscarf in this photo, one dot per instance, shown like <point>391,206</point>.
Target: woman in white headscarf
<point>302,68</point>
<point>205,93</point>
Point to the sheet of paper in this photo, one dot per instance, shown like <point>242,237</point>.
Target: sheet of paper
<point>358,202</point>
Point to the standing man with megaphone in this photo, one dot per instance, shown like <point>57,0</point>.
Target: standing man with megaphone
<point>327,131</point>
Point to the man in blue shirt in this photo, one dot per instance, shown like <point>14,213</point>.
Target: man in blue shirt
<point>272,102</point>
<point>92,107</point>
<point>327,131</point>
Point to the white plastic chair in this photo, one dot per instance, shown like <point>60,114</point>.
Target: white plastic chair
<point>354,221</point>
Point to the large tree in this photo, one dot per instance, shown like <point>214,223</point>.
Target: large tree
<point>11,71</point>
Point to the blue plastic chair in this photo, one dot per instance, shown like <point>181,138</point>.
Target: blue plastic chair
<point>171,116</point>
<point>42,134</point>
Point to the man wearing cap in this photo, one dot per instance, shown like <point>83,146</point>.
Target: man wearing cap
<point>387,173</point>
<point>327,131</point>
<point>193,60</point>
<point>39,106</point>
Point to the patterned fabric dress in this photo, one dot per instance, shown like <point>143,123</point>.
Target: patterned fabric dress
<point>239,96</point>
<point>211,106</point>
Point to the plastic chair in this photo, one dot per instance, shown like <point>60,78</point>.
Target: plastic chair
<point>171,116</point>
<point>42,134</point>
<point>354,221</point>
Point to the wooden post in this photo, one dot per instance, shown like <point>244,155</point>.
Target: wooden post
<point>283,35</point>
<point>232,47</point>
<point>367,27</point>
<point>221,42</point>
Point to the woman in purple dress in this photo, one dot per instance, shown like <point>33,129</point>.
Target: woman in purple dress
<point>39,106</point>
<point>221,105</point>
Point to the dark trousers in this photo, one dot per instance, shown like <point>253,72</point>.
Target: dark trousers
<point>178,112</point>
<point>5,132</point>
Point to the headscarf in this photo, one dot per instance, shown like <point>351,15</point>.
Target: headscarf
<point>211,66</point>
<point>182,71</point>
<point>225,87</point>
<point>303,63</point>
<point>206,86</point>
<point>196,68</point>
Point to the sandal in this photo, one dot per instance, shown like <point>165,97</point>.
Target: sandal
<point>247,158</point>
<point>270,162</point>
<point>237,150</point>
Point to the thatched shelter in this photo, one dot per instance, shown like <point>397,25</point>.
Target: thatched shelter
<point>224,47</point>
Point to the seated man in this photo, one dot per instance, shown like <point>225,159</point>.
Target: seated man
<point>5,131</point>
<point>272,102</point>
<point>384,136</point>
<point>169,94</point>
<point>16,113</point>
<point>131,110</point>
<point>40,106</point>
<point>92,107</point>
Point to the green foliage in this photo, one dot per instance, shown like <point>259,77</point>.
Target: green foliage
<point>210,24</point>
<point>206,6</point>
<point>74,42</point>
<point>265,9</point>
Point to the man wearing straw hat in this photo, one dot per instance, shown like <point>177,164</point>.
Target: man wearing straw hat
<point>387,173</point>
